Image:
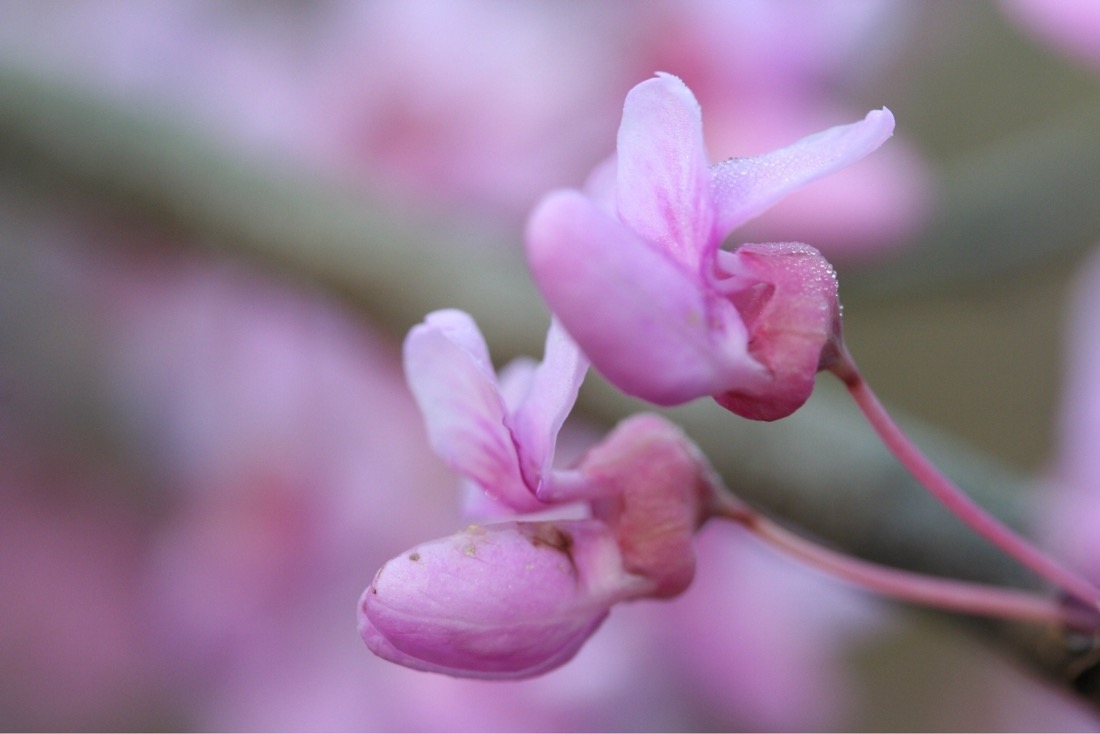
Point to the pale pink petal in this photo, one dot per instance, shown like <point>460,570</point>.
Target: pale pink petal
<point>553,391</point>
<point>885,199</point>
<point>477,506</point>
<point>515,381</point>
<point>498,433</point>
<point>663,183</point>
<point>459,327</point>
<point>745,187</point>
<point>463,410</point>
<point>644,320</point>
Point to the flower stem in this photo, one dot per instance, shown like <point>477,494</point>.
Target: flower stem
<point>947,594</point>
<point>954,498</point>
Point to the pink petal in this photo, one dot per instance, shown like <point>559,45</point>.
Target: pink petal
<point>463,410</point>
<point>515,382</point>
<point>461,329</point>
<point>503,601</point>
<point>646,322</point>
<point>553,391</point>
<point>663,186</point>
<point>745,187</point>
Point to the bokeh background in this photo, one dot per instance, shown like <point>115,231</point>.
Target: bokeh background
<point>218,219</point>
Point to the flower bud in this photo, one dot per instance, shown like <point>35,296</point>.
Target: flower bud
<point>792,310</point>
<point>510,600</point>
<point>658,489</point>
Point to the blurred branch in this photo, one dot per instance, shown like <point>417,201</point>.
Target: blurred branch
<point>821,470</point>
<point>362,248</point>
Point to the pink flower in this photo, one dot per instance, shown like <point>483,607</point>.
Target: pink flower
<point>295,465</point>
<point>498,433</point>
<point>517,599</point>
<point>635,274</point>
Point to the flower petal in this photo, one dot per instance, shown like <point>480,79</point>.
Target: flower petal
<point>460,328</point>
<point>553,391</point>
<point>647,323</point>
<point>745,187</point>
<point>445,365</point>
<point>663,182</point>
<point>515,380</point>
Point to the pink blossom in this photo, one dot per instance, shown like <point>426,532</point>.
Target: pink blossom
<point>517,599</point>
<point>635,273</point>
<point>499,433</point>
<point>295,464</point>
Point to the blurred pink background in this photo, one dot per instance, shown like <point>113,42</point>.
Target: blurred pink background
<point>195,563</point>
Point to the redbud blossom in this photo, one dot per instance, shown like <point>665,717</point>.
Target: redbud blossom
<point>498,433</point>
<point>636,277</point>
<point>516,599</point>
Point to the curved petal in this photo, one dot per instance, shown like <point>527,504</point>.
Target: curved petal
<point>553,391</point>
<point>663,182</point>
<point>745,187</point>
<point>515,379</point>
<point>460,328</point>
<point>647,323</point>
<point>463,409</point>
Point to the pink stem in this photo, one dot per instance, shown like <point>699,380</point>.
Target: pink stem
<point>957,596</point>
<point>954,498</point>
